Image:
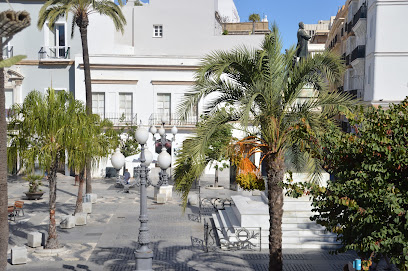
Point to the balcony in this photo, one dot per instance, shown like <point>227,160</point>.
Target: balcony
<point>360,14</point>
<point>358,52</point>
<point>173,119</point>
<point>54,52</point>
<point>119,119</point>
<point>8,51</point>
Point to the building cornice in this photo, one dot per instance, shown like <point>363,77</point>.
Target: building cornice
<point>180,83</point>
<point>114,81</point>
<point>142,67</point>
<point>58,62</point>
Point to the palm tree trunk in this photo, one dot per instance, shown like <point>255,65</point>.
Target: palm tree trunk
<point>52,240</point>
<point>275,173</point>
<point>4,228</point>
<point>78,206</point>
<point>83,29</point>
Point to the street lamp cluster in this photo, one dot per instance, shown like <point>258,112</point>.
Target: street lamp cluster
<point>144,255</point>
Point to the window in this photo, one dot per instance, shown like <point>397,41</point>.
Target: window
<point>125,106</point>
<point>9,99</point>
<point>164,105</point>
<point>157,31</point>
<point>98,104</point>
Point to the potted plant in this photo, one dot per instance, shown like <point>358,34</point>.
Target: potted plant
<point>34,192</point>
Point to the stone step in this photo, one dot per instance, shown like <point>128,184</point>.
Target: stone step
<point>310,245</point>
<point>301,214</point>
<point>307,233</point>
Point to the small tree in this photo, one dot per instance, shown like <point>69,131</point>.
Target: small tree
<point>44,125</point>
<point>92,137</point>
<point>254,17</point>
<point>366,205</point>
<point>215,151</point>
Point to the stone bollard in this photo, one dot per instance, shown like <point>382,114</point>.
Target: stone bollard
<point>44,235</point>
<point>92,197</point>
<point>34,239</point>
<point>80,219</point>
<point>18,255</point>
<point>87,207</point>
<point>192,199</point>
<point>67,222</point>
<point>161,198</point>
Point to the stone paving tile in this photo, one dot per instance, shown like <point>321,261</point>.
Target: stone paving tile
<point>109,239</point>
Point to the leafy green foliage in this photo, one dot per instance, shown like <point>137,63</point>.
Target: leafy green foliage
<point>254,17</point>
<point>52,10</point>
<point>367,203</point>
<point>127,139</point>
<point>34,182</point>
<point>11,61</point>
<point>190,166</point>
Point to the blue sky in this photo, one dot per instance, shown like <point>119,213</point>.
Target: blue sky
<point>288,13</point>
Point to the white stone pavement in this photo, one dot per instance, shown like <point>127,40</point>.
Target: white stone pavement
<point>108,240</point>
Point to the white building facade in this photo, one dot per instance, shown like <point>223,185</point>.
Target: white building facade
<point>377,51</point>
<point>145,73</point>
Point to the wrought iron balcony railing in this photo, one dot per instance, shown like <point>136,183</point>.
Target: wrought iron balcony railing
<point>8,51</point>
<point>172,119</point>
<point>360,14</point>
<point>54,52</point>
<point>358,52</point>
<point>119,119</point>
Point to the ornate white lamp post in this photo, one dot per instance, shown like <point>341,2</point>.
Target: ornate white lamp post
<point>144,255</point>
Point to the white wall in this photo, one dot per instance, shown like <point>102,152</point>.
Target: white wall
<point>387,51</point>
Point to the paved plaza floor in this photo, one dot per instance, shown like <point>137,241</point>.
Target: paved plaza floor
<point>109,239</point>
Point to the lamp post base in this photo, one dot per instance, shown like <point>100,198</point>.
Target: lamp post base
<point>144,260</point>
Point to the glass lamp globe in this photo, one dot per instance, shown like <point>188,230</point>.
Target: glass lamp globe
<point>148,157</point>
<point>162,131</point>
<point>142,135</point>
<point>153,130</point>
<point>164,159</point>
<point>118,159</point>
<point>174,130</point>
<point>164,119</point>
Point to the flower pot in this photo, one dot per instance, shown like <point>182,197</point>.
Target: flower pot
<point>34,195</point>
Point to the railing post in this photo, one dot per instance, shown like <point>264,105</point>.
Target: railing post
<point>205,236</point>
<point>199,201</point>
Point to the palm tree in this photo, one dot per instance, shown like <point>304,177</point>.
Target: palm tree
<point>43,125</point>
<point>254,17</point>
<point>262,91</point>
<point>52,10</point>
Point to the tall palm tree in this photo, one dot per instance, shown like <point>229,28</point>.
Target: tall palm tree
<point>262,90</point>
<point>44,125</point>
<point>52,10</point>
